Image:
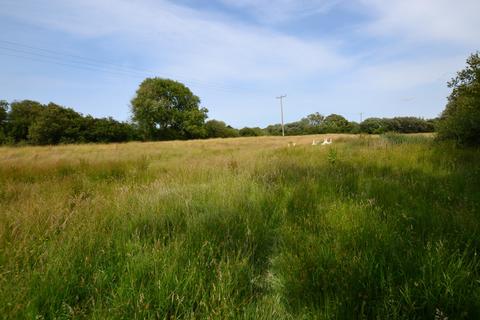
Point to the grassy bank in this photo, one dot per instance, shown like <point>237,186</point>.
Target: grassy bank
<point>369,227</point>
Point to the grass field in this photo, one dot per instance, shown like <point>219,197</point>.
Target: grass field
<point>249,228</point>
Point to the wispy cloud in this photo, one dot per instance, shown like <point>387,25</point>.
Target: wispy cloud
<point>444,21</point>
<point>396,49</point>
<point>191,42</point>
<point>274,11</point>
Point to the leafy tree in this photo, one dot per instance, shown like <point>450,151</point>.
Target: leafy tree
<point>274,129</point>
<point>336,123</point>
<point>373,126</point>
<point>296,128</point>
<point>21,116</point>
<point>460,120</point>
<point>56,124</point>
<point>354,127</point>
<point>251,132</point>
<point>3,112</point>
<point>3,120</point>
<point>409,125</point>
<point>106,130</point>
<point>167,109</point>
<point>314,123</point>
<point>315,119</point>
<point>218,129</point>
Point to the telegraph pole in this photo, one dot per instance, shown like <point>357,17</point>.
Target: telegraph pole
<point>281,111</point>
<point>361,117</point>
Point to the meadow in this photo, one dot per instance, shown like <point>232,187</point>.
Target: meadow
<point>370,227</point>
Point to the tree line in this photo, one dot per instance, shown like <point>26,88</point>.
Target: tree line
<point>30,122</point>
<point>164,109</point>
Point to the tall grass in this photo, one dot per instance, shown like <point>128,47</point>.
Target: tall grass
<point>243,228</point>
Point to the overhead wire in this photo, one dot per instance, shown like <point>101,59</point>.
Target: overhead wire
<point>90,64</point>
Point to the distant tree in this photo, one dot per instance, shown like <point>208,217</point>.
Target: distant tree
<point>373,126</point>
<point>251,132</point>
<point>314,123</point>
<point>106,130</point>
<point>21,116</point>
<point>409,125</point>
<point>274,130</point>
<point>56,124</point>
<point>460,120</point>
<point>3,112</point>
<point>218,129</point>
<point>296,128</point>
<point>354,127</point>
<point>315,119</point>
<point>336,123</point>
<point>3,120</point>
<point>167,109</point>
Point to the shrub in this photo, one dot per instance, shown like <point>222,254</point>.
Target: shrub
<point>460,121</point>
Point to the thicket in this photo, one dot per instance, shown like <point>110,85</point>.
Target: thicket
<point>30,122</point>
<point>460,121</point>
<point>164,109</point>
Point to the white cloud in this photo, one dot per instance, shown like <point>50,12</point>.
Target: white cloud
<point>451,21</point>
<point>186,42</point>
<point>407,74</point>
<point>272,11</point>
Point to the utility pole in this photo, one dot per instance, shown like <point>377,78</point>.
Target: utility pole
<point>361,117</point>
<point>281,111</point>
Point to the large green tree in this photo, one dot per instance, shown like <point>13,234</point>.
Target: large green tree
<point>56,124</point>
<point>336,123</point>
<point>21,116</point>
<point>218,129</point>
<point>460,120</point>
<point>3,112</point>
<point>167,109</point>
<point>3,120</point>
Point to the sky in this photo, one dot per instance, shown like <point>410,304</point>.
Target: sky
<point>378,58</point>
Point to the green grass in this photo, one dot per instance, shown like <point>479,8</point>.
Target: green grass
<point>369,227</point>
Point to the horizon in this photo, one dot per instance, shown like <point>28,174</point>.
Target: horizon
<point>331,56</point>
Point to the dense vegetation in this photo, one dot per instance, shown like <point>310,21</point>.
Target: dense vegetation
<point>30,122</point>
<point>164,109</point>
<point>33,123</point>
<point>369,227</point>
<point>460,121</point>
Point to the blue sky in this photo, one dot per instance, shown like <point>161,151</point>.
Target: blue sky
<point>381,58</point>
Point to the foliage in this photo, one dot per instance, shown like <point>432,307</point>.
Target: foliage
<point>3,120</point>
<point>218,129</point>
<point>33,123</point>
<point>3,112</point>
<point>54,125</point>
<point>460,120</point>
<point>166,109</point>
<point>104,130</point>
<point>251,132</point>
<point>397,124</point>
<point>22,115</point>
<point>240,229</point>
<point>335,123</point>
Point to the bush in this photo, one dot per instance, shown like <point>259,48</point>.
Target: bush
<point>218,129</point>
<point>251,132</point>
<point>56,124</point>
<point>460,121</point>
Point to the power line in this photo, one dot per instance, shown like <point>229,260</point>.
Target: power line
<point>102,63</point>
<point>90,64</point>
